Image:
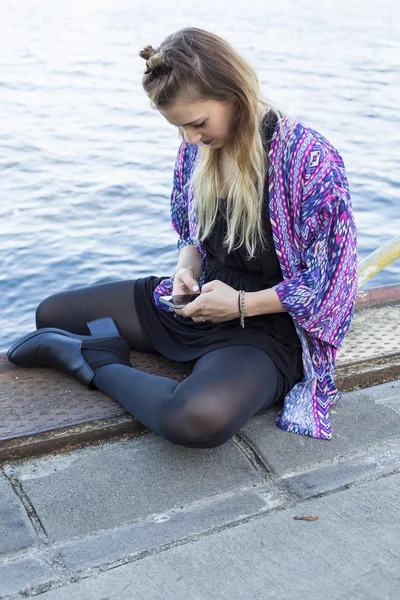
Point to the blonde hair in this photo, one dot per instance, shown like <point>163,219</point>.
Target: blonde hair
<point>194,59</point>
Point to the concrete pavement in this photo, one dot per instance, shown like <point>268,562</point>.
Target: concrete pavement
<point>144,519</point>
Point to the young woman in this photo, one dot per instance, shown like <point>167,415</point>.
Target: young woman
<point>267,241</point>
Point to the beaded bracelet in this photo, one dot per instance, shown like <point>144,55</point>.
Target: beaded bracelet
<point>241,306</point>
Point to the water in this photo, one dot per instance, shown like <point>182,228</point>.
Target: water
<point>86,164</point>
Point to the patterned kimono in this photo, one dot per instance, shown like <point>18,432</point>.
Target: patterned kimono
<point>316,243</point>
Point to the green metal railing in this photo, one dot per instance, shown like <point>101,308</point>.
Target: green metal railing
<point>378,260</point>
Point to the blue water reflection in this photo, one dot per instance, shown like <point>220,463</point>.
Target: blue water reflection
<point>86,164</point>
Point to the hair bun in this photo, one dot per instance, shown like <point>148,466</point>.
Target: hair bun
<point>156,63</point>
<point>147,52</point>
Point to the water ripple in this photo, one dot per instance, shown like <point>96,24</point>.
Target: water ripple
<point>87,163</point>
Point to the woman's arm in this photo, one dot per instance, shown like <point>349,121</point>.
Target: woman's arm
<point>327,279</point>
<point>191,252</point>
<point>191,258</point>
<point>263,302</point>
<point>326,282</point>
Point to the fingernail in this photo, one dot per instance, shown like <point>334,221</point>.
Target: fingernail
<point>195,288</point>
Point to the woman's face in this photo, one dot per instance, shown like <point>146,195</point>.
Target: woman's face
<point>202,120</point>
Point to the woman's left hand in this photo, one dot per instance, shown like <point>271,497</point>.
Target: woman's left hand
<point>217,302</point>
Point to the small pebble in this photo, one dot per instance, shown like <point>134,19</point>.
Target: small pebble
<point>9,471</point>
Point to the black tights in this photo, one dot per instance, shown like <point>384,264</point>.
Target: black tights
<point>225,389</point>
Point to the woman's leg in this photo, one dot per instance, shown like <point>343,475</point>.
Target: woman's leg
<point>225,389</point>
<point>71,310</point>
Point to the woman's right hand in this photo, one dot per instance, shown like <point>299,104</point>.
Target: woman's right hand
<point>185,283</point>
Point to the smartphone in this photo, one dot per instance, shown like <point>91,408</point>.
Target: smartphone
<point>178,301</point>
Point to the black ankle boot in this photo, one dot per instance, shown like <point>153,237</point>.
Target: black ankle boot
<point>105,351</point>
<point>51,347</point>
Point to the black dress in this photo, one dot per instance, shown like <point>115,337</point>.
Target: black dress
<point>184,340</point>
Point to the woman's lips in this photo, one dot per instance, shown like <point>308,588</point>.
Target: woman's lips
<point>206,143</point>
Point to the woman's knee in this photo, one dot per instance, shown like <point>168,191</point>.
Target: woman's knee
<point>200,420</point>
<point>49,312</point>
<point>43,312</point>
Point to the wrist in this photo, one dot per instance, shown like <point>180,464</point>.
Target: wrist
<point>264,302</point>
<point>251,305</point>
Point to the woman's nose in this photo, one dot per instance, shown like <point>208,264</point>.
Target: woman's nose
<point>193,137</point>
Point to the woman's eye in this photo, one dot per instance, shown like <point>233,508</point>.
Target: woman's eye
<point>200,125</point>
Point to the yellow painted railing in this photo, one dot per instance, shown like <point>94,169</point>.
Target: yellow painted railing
<point>378,260</point>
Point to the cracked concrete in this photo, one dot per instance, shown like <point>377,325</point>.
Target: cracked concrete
<point>143,518</point>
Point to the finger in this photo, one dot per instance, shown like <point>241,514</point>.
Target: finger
<point>191,288</point>
<point>190,282</point>
<point>207,287</point>
<point>182,312</point>
<point>191,308</point>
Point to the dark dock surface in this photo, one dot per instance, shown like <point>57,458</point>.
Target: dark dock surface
<point>43,410</point>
